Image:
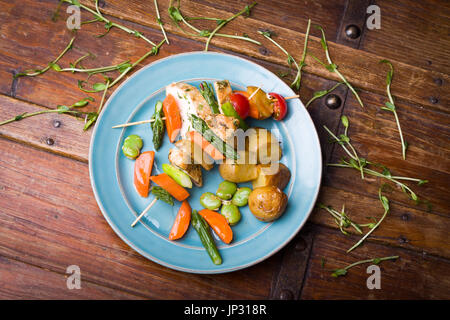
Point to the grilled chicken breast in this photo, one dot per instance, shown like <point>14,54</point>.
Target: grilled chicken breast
<point>183,161</point>
<point>190,101</point>
<point>223,90</point>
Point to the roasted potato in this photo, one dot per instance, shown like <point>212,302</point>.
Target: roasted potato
<point>261,107</point>
<point>243,170</point>
<point>264,144</point>
<point>267,203</point>
<point>276,174</point>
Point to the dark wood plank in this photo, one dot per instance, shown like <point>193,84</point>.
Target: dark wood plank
<point>362,68</point>
<point>403,227</point>
<point>289,14</point>
<point>412,276</point>
<point>50,219</point>
<point>290,278</point>
<point>21,281</point>
<point>411,31</point>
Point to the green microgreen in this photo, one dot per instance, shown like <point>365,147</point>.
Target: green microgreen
<point>344,140</point>
<point>108,24</point>
<point>290,60</point>
<point>52,64</point>
<point>124,68</point>
<point>59,109</point>
<point>177,17</point>
<point>161,24</point>
<point>333,67</point>
<point>390,106</point>
<point>362,164</point>
<point>385,204</point>
<point>222,23</point>
<point>341,219</point>
<point>343,271</point>
<point>321,93</point>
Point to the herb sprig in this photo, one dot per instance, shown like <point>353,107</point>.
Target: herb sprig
<point>390,106</point>
<point>322,93</point>
<point>161,24</point>
<point>343,140</point>
<point>290,60</point>
<point>341,219</point>
<point>222,23</point>
<point>177,17</point>
<point>385,203</point>
<point>108,23</point>
<point>333,67</point>
<point>343,271</point>
<point>59,109</point>
<point>52,64</point>
<point>361,164</point>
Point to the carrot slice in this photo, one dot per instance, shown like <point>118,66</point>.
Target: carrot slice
<point>181,223</point>
<point>173,117</point>
<point>205,145</point>
<point>168,184</point>
<point>142,171</point>
<point>219,224</point>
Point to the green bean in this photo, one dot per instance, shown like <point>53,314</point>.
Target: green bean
<point>206,238</point>
<point>179,176</point>
<point>210,201</point>
<point>240,198</point>
<point>226,190</point>
<point>132,146</point>
<point>231,213</point>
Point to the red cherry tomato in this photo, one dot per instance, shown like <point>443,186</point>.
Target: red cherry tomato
<point>279,106</point>
<point>240,104</point>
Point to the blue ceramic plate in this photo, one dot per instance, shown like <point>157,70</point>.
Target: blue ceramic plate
<point>111,172</point>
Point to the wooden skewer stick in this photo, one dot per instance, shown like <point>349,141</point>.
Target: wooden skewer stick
<point>135,123</point>
<point>144,212</point>
<point>151,120</point>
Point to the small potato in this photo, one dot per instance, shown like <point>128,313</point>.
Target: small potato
<point>264,144</point>
<point>276,174</point>
<point>238,173</point>
<point>267,203</point>
<point>243,170</point>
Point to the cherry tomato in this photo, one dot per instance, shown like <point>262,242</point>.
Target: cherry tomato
<point>240,104</point>
<point>279,106</point>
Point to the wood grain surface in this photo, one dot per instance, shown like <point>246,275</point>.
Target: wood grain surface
<point>49,218</point>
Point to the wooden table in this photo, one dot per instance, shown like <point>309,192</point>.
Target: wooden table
<point>49,218</point>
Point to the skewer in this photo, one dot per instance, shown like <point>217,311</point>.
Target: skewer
<point>135,123</point>
<point>144,212</point>
<point>152,120</point>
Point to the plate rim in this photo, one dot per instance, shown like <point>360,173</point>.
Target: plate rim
<point>147,255</point>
